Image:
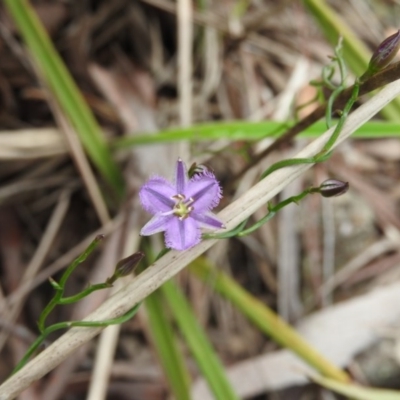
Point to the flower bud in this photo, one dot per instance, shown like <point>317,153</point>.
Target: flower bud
<point>126,266</point>
<point>197,169</point>
<point>333,187</point>
<point>384,54</point>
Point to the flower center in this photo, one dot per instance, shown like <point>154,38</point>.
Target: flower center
<point>182,207</point>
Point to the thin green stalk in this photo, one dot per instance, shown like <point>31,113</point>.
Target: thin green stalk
<point>346,110</point>
<point>59,287</point>
<point>226,235</point>
<point>265,319</point>
<point>65,325</point>
<point>84,293</point>
<point>324,154</point>
<point>272,210</point>
<point>292,161</point>
<point>239,231</point>
<point>80,259</point>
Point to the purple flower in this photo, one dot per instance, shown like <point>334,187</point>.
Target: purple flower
<point>181,208</point>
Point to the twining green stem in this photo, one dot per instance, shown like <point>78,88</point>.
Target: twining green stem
<point>294,161</point>
<point>123,268</point>
<point>59,287</point>
<point>84,293</point>
<point>327,75</point>
<point>272,210</point>
<point>71,268</point>
<point>346,110</point>
<point>380,79</point>
<point>324,154</point>
<point>329,106</point>
<point>69,324</point>
<point>226,235</point>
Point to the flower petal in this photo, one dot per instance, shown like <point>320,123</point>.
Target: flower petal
<point>181,177</point>
<point>182,235</point>
<point>205,191</point>
<point>208,220</point>
<point>158,223</point>
<point>155,195</point>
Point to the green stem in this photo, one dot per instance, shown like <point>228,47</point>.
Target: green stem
<point>342,119</point>
<point>59,287</point>
<point>47,310</point>
<point>287,163</point>
<point>84,293</point>
<point>226,235</point>
<point>380,79</point>
<point>79,260</point>
<point>329,106</point>
<point>272,210</point>
<point>65,325</point>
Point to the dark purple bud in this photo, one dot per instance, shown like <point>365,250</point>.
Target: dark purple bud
<point>126,266</point>
<point>385,53</point>
<point>333,187</point>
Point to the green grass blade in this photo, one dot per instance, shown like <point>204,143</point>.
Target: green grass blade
<point>167,349</point>
<point>356,54</point>
<point>357,392</point>
<point>243,130</point>
<point>205,356</point>
<point>265,319</point>
<point>60,82</point>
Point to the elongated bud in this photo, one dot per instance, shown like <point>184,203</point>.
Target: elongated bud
<point>333,187</point>
<point>384,54</point>
<point>126,266</point>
